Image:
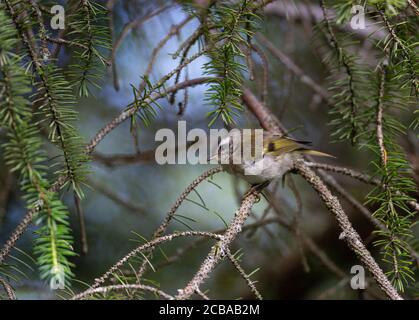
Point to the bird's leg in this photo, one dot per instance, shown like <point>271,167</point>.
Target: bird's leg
<point>293,171</point>
<point>257,188</point>
<point>261,186</point>
<point>283,180</point>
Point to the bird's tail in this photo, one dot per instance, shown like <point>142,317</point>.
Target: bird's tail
<point>316,153</point>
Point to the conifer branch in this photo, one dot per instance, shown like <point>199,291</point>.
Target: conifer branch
<point>269,122</point>
<point>98,137</point>
<point>23,154</point>
<point>220,249</point>
<point>147,246</point>
<point>348,234</point>
<point>89,27</point>
<point>120,287</point>
<point>8,288</point>
<point>405,50</point>
<point>347,105</point>
<point>239,268</point>
<point>169,216</point>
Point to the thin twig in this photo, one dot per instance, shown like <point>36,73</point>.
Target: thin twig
<point>379,119</point>
<point>169,216</point>
<point>119,287</point>
<point>133,109</point>
<point>82,224</point>
<point>296,70</point>
<point>100,135</point>
<point>201,294</point>
<point>219,250</point>
<point>174,30</point>
<point>365,178</point>
<point>358,176</point>
<point>265,67</point>
<point>117,198</point>
<point>125,30</point>
<point>147,246</point>
<point>345,62</point>
<point>249,282</point>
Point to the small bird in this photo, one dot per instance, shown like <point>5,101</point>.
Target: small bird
<point>277,154</point>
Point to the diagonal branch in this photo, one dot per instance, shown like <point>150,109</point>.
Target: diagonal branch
<point>348,234</point>
<point>367,213</point>
<point>100,135</point>
<point>140,287</point>
<point>269,122</point>
<point>295,69</point>
<point>169,216</point>
<point>220,249</point>
<point>239,268</point>
<point>358,176</point>
<point>8,288</point>
<point>147,246</point>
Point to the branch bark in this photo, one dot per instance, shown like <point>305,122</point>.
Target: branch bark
<point>269,122</point>
<point>119,287</point>
<point>100,135</point>
<point>8,288</point>
<point>220,249</point>
<point>348,234</point>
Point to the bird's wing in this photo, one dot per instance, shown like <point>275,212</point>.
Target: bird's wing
<point>268,135</point>
<point>276,145</point>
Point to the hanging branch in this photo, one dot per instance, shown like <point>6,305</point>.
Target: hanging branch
<point>24,154</point>
<point>88,25</point>
<point>227,34</point>
<point>98,137</point>
<point>348,88</point>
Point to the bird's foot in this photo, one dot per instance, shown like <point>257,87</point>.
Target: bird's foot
<point>257,188</point>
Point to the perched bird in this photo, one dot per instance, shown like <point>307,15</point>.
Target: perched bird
<point>270,155</point>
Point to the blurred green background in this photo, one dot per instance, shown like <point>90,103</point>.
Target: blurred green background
<point>113,229</point>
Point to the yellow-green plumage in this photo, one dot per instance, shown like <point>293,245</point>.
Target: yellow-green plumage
<point>276,145</point>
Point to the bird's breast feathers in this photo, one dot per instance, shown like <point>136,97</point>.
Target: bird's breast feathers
<point>264,169</point>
